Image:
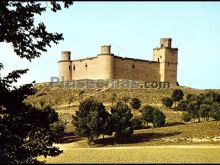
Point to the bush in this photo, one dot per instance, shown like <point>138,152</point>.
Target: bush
<point>154,116</point>
<point>177,95</point>
<point>121,120</point>
<point>182,105</point>
<point>135,103</point>
<point>137,123</point>
<point>90,120</point>
<point>159,118</point>
<point>186,117</point>
<point>167,102</point>
<point>147,113</point>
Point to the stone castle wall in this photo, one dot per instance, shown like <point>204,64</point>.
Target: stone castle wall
<point>109,66</point>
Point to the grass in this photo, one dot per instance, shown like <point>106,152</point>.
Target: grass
<point>139,148</point>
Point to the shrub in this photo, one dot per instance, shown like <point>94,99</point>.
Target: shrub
<point>90,120</point>
<point>167,102</point>
<point>135,103</point>
<point>154,116</point>
<point>137,123</point>
<point>177,95</point>
<point>121,120</point>
<point>159,118</point>
<point>186,117</point>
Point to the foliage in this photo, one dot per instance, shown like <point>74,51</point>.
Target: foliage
<point>137,123</point>
<point>215,111</point>
<point>182,105</point>
<point>167,102</point>
<point>25,131</point>
<point>154,115</point>
<point>121,120</point>
<point>17,26</point>
<point>135,103</point>
<point>159,118</point>
<point>91,120</point>
<point>147,113</point>
<point>177,95</point>
<point>186,117</point>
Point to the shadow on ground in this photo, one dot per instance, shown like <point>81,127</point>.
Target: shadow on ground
<point>69,138</point>
<point>135,138</point>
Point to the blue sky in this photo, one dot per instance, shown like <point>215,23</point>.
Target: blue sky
<point>133,29</point>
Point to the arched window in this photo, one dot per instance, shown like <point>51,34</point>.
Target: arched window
<point>86,65</point>
<point>133,66</point>
<point>74,68</point>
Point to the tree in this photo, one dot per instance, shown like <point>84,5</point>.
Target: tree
<point>90,120</point>
<point>137,123</point>
<point>204,111</point>
<point>147,113</point>
<point>25,131</point>
<point>154,115</point>
<point>186,117</point>
<point>177,95</point>
<point>182,105</point>
<point>17,27</point>
<point>167,102</point>
<point>121,120</point>
<point>215,111</point>
<point>135,103</point>
<point>159,118</point>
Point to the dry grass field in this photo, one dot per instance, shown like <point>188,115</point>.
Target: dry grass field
<point>149,154</point>
<point>177,142</point>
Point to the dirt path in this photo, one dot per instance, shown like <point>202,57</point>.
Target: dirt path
<point>139,154</point>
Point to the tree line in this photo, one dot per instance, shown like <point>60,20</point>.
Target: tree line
<point>195,107</point>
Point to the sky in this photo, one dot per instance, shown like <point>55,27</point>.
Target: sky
<point>133,29</point>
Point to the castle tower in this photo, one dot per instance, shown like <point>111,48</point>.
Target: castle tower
<point>65,67</point>
<point>167,56</point>
<point>106,61</point>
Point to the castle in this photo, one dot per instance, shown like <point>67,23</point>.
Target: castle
<point>106,65</point>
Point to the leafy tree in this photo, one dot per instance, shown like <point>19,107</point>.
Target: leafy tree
<point>186,117</point>
<point>215,111</point>
<point>135,103</point>
<point>121,120</point>
<point>91,119</point>
<point>204,111</point>
<point>17,26</point>
<point>137,123</point>
<point>177,95</point>
<point>26,131</point>
<point>193,110</point>
<point>167,102</point>
<point>182,105</point>
<point>147,113</point>
<point>154,115</point>
<point>159,118</point>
